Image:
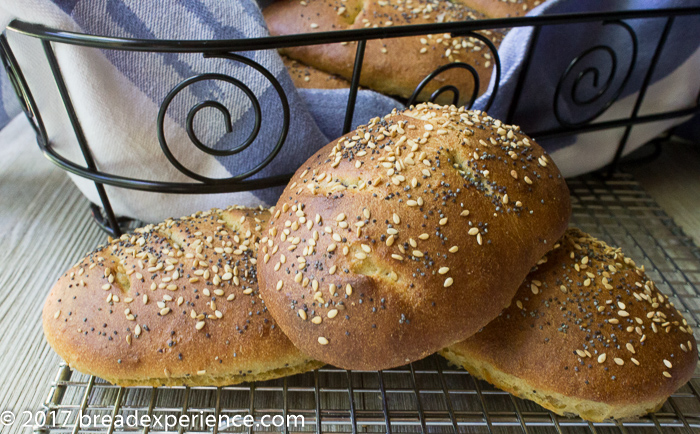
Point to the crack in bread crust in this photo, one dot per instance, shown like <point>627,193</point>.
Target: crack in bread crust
<point>218,381</point>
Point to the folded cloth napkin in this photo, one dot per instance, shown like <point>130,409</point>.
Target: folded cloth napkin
<point>117,94</point>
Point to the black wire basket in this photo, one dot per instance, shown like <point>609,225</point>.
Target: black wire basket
<point>231,49</point>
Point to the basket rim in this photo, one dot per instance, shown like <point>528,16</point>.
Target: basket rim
<point>271,42</point>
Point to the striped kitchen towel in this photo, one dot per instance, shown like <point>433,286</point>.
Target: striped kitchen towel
<point>117,95</point>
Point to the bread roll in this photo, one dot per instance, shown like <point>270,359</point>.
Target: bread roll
<point>172,304</point>
<point>306,77</point>
<point>393,66</point>
<point>587,334</point>
<point>410,233</point>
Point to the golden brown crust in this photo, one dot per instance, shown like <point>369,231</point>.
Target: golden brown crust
<point>175,303</point>
<point>589,326</point>
<point>431,252</point>
<point>392,66</point>
<point>306,77</point>
<point>502,8</point>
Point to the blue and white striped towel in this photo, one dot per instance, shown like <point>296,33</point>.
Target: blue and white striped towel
<point>117,94</point>
<point>674,85</point>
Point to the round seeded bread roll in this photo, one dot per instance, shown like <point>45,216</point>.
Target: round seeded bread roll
<point>409,233</point>
<point>587,334</point>
<point>393,66</point>
<point>172,304</point>
<point>306,77</point>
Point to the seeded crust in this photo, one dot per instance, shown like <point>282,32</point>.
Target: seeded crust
<point>502,8</point>
<point>146,308</point>
<point>588,334</point>
<point>382,252</point>
<point>392,66</point>
<point>306,77</point>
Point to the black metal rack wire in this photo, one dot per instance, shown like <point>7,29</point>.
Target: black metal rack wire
<point>426,396</point>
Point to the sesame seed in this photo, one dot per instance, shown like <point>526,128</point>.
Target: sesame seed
<point>317,320</point>
<point>448,282</point>
<point>601,358</point>
<point>667,374</point>
<point>668,364</point>
<point>443,270</point>
<point>332,313</point>
<point>473,231</point>
<point>280,284</point>
<point>619,361</point>
<point>322,340</point>
<point>302,314</point>
<point>630,347</point>
<point>453,249</point>
<point>164,311</point>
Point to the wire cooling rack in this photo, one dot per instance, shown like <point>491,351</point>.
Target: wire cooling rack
<point>428,396</point>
